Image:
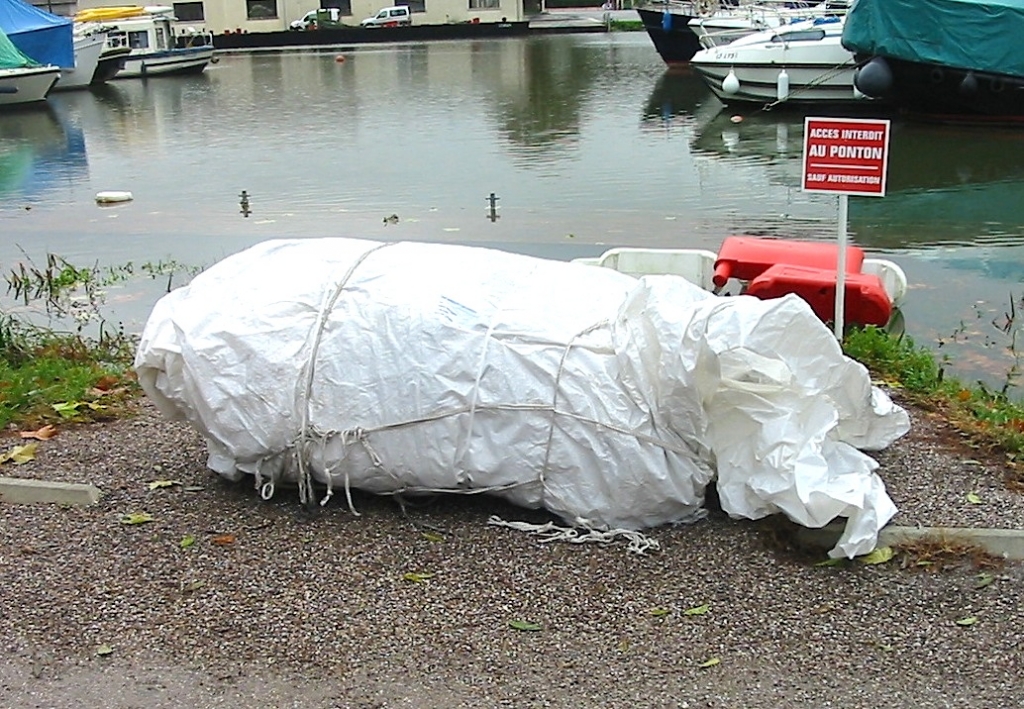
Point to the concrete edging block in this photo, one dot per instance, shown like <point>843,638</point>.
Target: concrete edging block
<point>23,491</point>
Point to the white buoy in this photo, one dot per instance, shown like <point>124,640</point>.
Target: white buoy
<point>730,84</point>
<point>782,86</point>
<point>113,197</point>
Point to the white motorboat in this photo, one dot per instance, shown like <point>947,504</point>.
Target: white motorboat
<point>730,22</point>
<point>149,33</point>
<point>27,84</point>
<point>87,55</point>
<point>799,63</point>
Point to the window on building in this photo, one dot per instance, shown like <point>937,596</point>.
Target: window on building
<point>344,7</point>
<point>189,11</point>
<point>484,4</point>
<point>416,5</point>
<point>260,9</point>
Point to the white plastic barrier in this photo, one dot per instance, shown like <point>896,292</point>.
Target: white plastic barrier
<point>610,401</point>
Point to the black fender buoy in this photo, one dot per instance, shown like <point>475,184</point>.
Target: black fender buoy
<point>874,79</point>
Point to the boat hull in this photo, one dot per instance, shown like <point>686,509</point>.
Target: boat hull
<point>190,60</point>
<point>946,94</point>
<point>110,64</point>
<point>759,83</point>
<point>28,85</point>
<point>669,30</point>
<point>88,49</point>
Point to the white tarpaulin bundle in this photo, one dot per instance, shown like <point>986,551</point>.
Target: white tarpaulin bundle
<point>610,401</point>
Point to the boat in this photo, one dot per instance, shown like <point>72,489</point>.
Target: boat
<point>88,49</point>
<point>50,39</point>
<point>111,62</point>
<point>22,80</point>
<point>945,60</point>
<point>154,46</point>
<point>681,28</point>
<point>727,25</point>
<point>796,64</point>
<point>771,268</point>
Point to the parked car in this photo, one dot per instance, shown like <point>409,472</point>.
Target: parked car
<point>397,16</point>
<point>316,17</point>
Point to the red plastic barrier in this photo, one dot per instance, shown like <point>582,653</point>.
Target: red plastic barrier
<point>747,257</point>
<point>866,302</point>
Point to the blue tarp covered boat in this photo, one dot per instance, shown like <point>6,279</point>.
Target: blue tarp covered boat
<point>45,37</point>
<point>945,59</point>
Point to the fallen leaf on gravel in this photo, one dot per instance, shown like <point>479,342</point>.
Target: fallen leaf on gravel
<point>136,518</point>
<point>187,541</point>
<point>416,578</point>
<point>524,625</point>
<point>157,484</point>
<point>20,454</point>
<point>969,620</point>
<point>697,610</point>
<point>104,650</point>
<point>830,562</point>
<point>432,537</point>
<point>106,382</point>
<point>879,556</point>
<point>658,612</point>
<point>983,580</point>
<point>223,539</point>
<point>973,498</point>
<point>46,432</point>
<point>710,662</point>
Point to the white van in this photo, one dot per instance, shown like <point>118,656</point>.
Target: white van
<point>397,16</point>
<point>310,18</point>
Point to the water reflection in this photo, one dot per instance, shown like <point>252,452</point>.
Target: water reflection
<point>677,96</point>
<point>945,186</point>
<point>40,151</point>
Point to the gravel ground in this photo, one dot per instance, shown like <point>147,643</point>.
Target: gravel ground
<point>274,606</point>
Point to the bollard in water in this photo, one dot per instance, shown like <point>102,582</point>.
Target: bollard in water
<point>492,200</point>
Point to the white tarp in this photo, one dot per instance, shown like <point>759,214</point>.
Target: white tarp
<point>610,401</point>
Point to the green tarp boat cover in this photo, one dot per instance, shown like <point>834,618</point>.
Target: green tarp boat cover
<point>982,35</point>
<point>10,56</point>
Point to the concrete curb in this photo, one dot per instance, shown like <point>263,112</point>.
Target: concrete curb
<point>22,491</point>
<point>1005,543</point>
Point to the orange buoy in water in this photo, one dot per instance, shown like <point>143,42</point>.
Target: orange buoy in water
<point>340,58</point>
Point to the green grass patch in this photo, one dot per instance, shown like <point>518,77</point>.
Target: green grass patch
<point>47,377</point>
<point>990,417</point>
<point>626,26</point>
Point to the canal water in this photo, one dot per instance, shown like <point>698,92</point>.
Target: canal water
<point>586,142</point>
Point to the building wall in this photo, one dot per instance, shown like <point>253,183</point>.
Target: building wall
<point>231,15</point>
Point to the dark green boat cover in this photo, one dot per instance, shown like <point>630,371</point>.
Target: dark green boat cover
<point>983,35</point>
<point>10,56</point>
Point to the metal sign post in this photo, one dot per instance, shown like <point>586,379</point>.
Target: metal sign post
<point>844,156</point>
